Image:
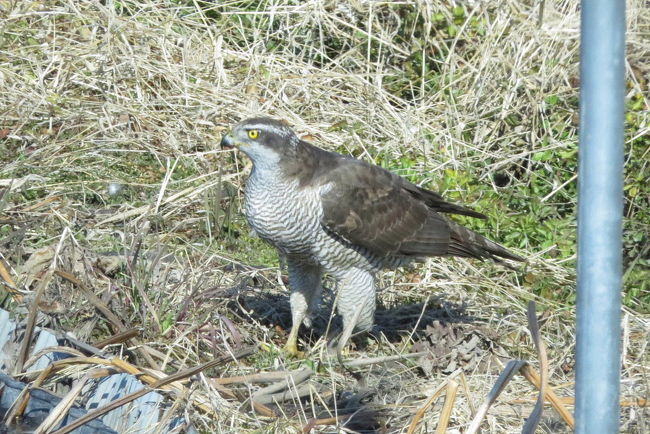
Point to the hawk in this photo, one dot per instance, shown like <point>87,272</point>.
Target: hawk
<point>332,213</point>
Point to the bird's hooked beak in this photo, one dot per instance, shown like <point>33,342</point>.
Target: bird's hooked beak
<point>227,142</point>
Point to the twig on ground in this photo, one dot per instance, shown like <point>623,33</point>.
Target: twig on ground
<point>118,338</point>
<point>59,349</point>
<point>262,377</point>
<point>383,359</point>
<point>62,408</point>
<point>447,408</point>
<point>335,420</point>
<point>9,284</point>
<point>290,378</point>
<point>533,420</point>
<point>31,323</point>
<point>422,410</point>
<point>507,374</point>
<point>292,393</point>
<point>558,403</point>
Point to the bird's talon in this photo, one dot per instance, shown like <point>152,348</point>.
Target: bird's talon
<point>292,350</point>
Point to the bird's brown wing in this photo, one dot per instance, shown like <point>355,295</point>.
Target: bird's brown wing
<point>369,207</point>
<point>437,203</point>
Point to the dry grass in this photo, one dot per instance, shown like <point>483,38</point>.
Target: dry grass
<point>92,95</point>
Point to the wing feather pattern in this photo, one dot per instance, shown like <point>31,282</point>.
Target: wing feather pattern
<point>382,212</point>
<point>369,207</point>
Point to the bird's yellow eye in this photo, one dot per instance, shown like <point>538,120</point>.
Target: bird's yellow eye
<point>253,134</point>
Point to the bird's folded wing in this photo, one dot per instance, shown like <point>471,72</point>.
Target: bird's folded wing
<point>368,207</point>
<point>437,203</point>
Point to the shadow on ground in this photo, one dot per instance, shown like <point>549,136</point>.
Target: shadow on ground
<point>272,309</point>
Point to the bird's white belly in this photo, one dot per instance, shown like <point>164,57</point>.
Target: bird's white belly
<point>283,215</point>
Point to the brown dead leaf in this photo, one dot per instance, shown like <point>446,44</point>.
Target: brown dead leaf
<point>34,267</point>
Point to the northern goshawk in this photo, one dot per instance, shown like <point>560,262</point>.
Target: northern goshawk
<point>331,213</point>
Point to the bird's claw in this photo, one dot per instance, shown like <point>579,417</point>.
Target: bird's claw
<point>291,349</point>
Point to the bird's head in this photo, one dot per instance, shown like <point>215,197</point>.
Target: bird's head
<point>266,141</point>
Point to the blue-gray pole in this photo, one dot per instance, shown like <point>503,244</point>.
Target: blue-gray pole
<point>600,213</point>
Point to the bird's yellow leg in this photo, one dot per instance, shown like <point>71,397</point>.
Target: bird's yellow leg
<point>291,347</point>
<point>344,338</point>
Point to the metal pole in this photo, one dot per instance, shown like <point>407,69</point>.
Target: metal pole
<point>600,212</point>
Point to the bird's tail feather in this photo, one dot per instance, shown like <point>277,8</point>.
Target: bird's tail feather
<point>465,242</point>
